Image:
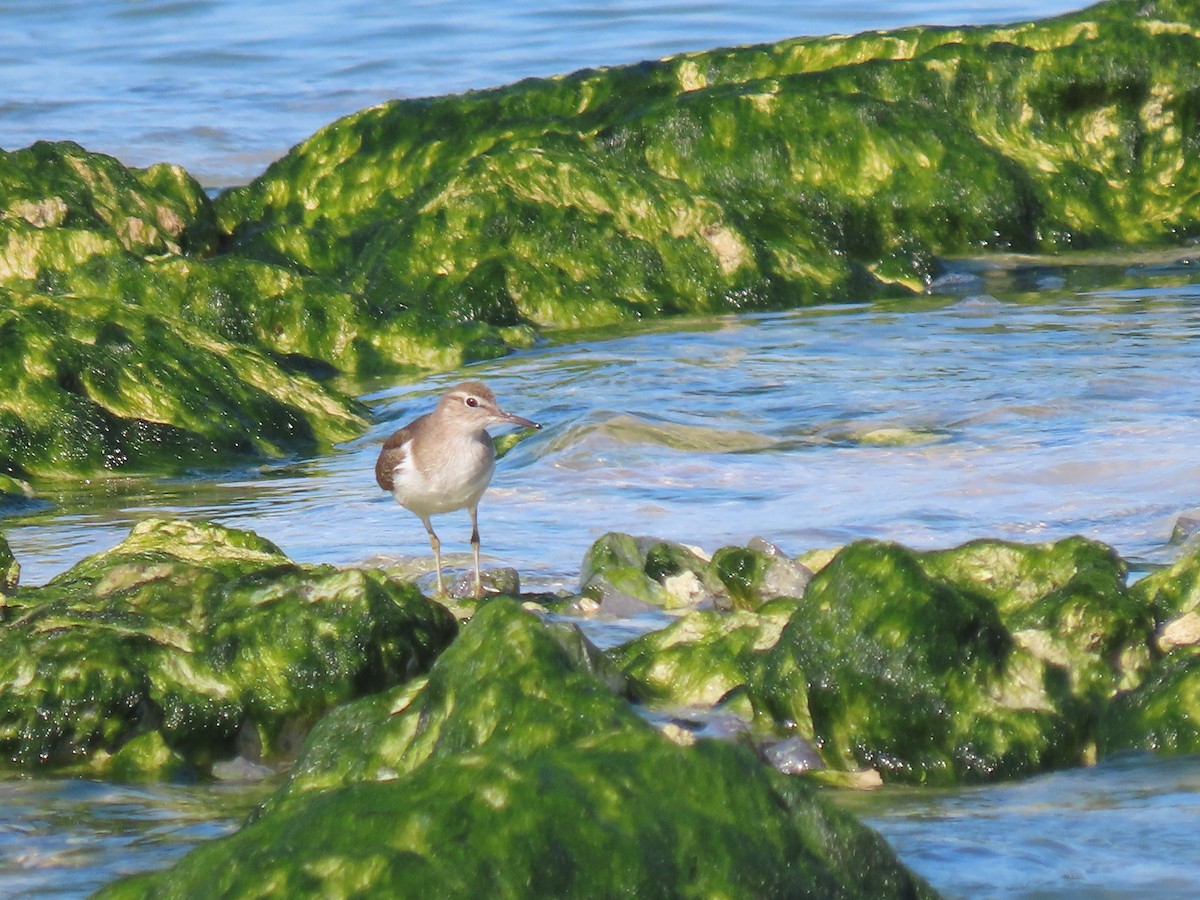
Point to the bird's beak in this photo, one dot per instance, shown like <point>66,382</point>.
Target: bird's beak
<point>516,420</point>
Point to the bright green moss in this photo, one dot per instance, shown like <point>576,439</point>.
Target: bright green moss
<point>208,637</point>
<point>97,385</point>
<point>700,659</point>
<point>62,186</point>
<point>988,660</point>
<point>808,170</point>
<point>1174,590</point>
<point>511,772</point>
<point>1161,714</point>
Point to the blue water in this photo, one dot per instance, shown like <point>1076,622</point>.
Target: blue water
<point>1031,402</point>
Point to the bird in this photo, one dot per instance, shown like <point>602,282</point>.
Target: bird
<point>443,461</point>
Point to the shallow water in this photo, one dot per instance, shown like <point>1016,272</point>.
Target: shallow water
<point>63,838</point>
<point>1123,829</point>
<point>1031,416</point>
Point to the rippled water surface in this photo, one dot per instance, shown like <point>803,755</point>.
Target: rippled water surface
<point>1126,828</point>
<point>1070,410</point>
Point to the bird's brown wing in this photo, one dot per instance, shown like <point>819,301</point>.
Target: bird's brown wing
<point>392,454</point>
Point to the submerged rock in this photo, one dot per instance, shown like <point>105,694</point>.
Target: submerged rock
<point>510,771</point>
<point>191,643</point>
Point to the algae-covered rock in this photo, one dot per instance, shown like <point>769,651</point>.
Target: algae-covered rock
<point>991,660</point>
<point>10,576</point>
<point>808,170</point>
<point>1161,714</point>
<point>703,657</point>
<point>623,566</point>
<point>62,188</point>
<point>512,773</point>
<point>208,637</point>
<point>95,386</point>
<point>1173,591</point>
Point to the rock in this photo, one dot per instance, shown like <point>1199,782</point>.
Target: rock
<point>1181,632</point>
<point>751,576</point>
<point>1186,528</point>
<point>627,575</point>
<point>1175,590</point>
<point>701,658</point>
<point>985,661</point>
<point>190,643</point>
<point>506,581</point>
<point>793,756</point>
<point>1162,714</point>
<point>10,576</point>
<point>511,772</point>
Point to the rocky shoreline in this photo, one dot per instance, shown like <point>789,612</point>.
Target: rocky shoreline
<point>501,726</point>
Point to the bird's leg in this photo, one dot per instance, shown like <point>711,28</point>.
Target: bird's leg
<point>437,554</point>
<point>475,549</point>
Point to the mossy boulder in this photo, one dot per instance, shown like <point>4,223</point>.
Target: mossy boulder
<point>1162,712</point>
<point>207,637</point>
<point>703,657</point>
<point>808,170</point>
<point>98,386</point>
<point>1173,591</point>
<point>672,576</point>
<point>512,773</point>
<point>620,565</point>
<point>60,189</point>
<point>992,659</point>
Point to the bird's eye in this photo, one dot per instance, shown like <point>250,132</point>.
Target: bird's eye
<point>472,402</point>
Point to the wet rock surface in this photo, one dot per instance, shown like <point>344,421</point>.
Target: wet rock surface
<point>189,644</point>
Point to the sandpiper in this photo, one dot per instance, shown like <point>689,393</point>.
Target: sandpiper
<point>443,461</point>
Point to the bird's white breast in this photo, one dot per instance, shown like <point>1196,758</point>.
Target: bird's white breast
<point>452,475</point>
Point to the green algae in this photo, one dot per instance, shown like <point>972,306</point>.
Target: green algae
<point>703,657</point>
<point>207,637</point>
<point>1162,711</point>
<point>98,386</point>
<point>1161,714</point>
<point>812,169</point>
<point>423,234</point>
<point>984,661</point>
<point>511,772</point>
